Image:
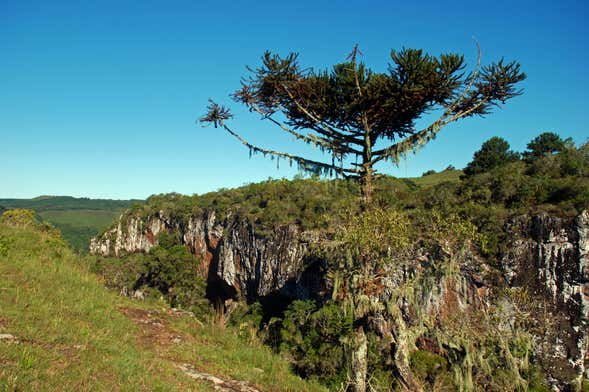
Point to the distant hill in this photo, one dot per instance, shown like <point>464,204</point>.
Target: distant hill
<point>78,218</point>
<point>60,203</point>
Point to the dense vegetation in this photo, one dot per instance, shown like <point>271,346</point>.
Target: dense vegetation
<point>168,271</point>
<point>79,219</point>
<point>437,210</point>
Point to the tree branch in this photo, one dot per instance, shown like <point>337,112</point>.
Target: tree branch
<point>337,148</point>
<point>427,134</point>
<point>304,164</point>
<point>421,137</point>
<point>325,129</point>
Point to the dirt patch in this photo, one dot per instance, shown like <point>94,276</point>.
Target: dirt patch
<point>156,332</point>
<point>154,328</point>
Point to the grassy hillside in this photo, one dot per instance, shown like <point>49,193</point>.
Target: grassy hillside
<point>78,218</point>
<point>61,330</point>
<point>438,178</point>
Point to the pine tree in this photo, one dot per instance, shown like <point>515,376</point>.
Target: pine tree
<point>493,153</point>
<point>352,112</point>
<point>544,144</point>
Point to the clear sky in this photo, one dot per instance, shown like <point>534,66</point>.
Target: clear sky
<point>100,98</point>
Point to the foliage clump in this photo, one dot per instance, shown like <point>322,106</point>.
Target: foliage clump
<point>19,218</point>
<point>432,369</point>
<point>560,179</point>
<point>494,152</point>
<point>23,218</point>
<point>168,271</point>
<point>545,144</point>
<point>313,337</point>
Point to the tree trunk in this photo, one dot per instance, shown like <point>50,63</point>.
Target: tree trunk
<point>367,186</point>
<point>359,360</point>
<point>367,165</point>
<point>403,343</point>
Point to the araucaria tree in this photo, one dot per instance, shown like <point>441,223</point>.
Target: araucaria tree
<point>361,117</point>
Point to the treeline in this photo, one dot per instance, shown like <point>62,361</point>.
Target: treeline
<point>61,203</point>
<point>552,175</point>
<point>496,152</point>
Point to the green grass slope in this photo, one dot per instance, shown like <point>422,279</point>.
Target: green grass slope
<point>438,178</point>
<point>79,219</point>
<point>72,334</point>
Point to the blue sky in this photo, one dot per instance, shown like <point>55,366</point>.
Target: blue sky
<point>99,99</point>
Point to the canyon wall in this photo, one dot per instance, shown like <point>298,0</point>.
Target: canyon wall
<point>545,257</point>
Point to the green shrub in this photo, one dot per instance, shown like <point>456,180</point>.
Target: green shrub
<point>172,270</point>
<point>442,197</point>
<point>168,270</point>
<point>4,244</point>
<point>432,369</point>
<point>313,339</point>
<point>381,372</point>
<point>19,218</point>
<point>537,380</point>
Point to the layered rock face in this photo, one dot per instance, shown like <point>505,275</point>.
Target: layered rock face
<point>546,257</point>
<point>236,262</point>
<point>549,257</point>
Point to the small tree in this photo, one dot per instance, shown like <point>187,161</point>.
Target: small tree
<point>494,152</point>
<point>544,144</point>
<point>351,111</point>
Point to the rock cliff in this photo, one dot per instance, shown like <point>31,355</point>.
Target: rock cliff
<point>236,261</point>
<point>549,257</point>
<point>546,258</point>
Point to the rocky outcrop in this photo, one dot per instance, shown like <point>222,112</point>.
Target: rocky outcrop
<point>549,257</point>
<point>130,235</point>
<point>236,261</point>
